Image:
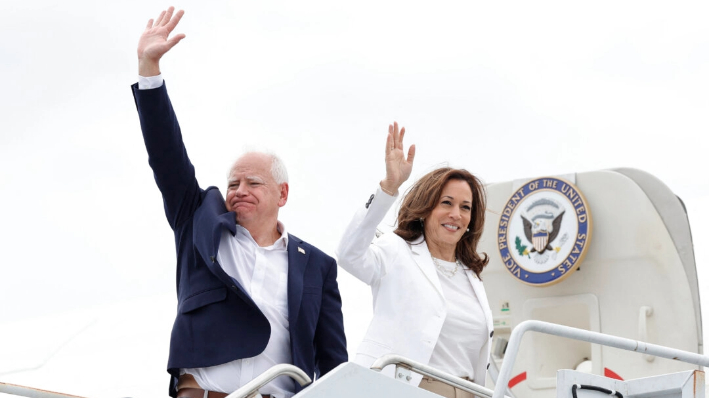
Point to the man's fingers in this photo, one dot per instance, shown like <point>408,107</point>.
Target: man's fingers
<point>401,138</point>
<point>160,18</point>
<point>390,142</point>
<point>174,40</point>
<point>175,20</point>
<point>150,24</point>
<point>168,15</point>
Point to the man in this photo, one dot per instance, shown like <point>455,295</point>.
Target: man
<point>250,295</point>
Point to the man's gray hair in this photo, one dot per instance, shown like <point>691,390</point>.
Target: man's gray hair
<point>278,168</point>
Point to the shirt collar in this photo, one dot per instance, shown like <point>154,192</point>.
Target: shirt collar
<point>283,238</point>
<point>280,243</point>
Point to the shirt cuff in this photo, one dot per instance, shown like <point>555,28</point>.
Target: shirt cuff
<point>150,82</point>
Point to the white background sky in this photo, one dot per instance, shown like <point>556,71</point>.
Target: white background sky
<point>508,90</point>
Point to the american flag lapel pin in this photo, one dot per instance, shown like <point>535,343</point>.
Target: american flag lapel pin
<point>300,250</point>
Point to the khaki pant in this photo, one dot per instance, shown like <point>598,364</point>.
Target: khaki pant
<point>443,389</point>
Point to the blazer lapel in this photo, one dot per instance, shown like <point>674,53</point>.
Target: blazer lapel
<point>422,257</point>
<point>479,290</point>
<point>297,261</point>
<point>208,222</point>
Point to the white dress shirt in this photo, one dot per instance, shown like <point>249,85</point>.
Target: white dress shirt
<point>263,272</point>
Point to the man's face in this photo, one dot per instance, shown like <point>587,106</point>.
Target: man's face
<point>252,192</point>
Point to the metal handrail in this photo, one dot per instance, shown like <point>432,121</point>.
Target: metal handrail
<point>30,392</point>
<point>588,336</point>
<point>494,372</point>
<point>418,367</point>
<point>251,388</point>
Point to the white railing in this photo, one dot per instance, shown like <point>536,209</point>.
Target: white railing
<point>410,364</point>
<point>22,391</point>
<point>251,388</point>
<point>591,337</point>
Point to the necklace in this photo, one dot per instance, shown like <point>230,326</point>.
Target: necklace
<point>445,271</point>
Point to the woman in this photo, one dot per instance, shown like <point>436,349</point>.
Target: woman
<point>429,301</point>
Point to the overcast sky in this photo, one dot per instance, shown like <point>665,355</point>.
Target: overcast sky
<point>507,90</point>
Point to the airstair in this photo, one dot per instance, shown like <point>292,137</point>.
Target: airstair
<point>641,234</point>
<point>350,380</point>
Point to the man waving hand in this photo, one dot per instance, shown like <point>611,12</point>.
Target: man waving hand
<point>250,294</point>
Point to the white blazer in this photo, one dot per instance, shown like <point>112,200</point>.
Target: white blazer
<point>409,305</point>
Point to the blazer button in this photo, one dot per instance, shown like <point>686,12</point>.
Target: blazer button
<point>491,333</point>
<point>212,258</point>
<point>369,202</point>
<point>488,366</point>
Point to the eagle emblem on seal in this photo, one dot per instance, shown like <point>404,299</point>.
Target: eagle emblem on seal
<point>542,223</point>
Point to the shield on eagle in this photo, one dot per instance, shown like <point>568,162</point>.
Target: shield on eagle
<point>540,240</point>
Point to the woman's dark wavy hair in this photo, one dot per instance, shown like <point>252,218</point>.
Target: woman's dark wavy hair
<point>424,196</point>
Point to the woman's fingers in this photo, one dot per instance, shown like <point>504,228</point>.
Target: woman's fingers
<point>412,153</point>
<point>390,143</point>
<point>395,138</point>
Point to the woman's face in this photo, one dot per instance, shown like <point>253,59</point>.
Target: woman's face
<point>450,218</point>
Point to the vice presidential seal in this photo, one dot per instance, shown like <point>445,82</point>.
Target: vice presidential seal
<point>544,231</point>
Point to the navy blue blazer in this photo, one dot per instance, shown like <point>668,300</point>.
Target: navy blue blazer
<point>217,322</point>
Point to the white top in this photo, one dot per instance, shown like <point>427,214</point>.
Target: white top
<point>464,330</point>
<point>263,273</point>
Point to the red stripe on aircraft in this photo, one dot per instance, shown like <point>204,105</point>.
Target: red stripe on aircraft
<point>609,373</point>
<point>517,379</point>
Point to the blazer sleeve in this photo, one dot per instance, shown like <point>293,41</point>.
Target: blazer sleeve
<point>167,155</point>
<point>330,342</point>
<point>355,253</point>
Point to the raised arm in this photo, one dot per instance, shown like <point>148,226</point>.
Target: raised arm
<point>155,41</point>
<point>173,171</point>
<point>355,254</point>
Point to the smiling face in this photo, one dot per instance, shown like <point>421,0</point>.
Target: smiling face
<point>253,192</point>
<point>448,221</point>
